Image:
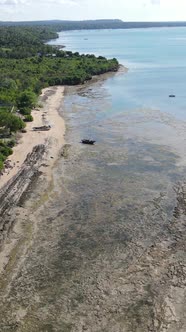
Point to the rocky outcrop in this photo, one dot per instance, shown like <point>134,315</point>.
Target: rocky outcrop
<point>13,190</point>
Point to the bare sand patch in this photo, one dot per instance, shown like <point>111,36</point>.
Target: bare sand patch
<point>47,115</point>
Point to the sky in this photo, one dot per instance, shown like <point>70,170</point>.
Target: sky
<point>127,10</point>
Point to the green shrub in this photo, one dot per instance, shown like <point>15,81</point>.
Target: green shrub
<point>28,118</point>
<point>1,165</point>
<point>27,99</point>
<point>25,111</point>
<point>11,143</point>
<point>2,157</point>
<point>11,121</point>
<point>5,150</point>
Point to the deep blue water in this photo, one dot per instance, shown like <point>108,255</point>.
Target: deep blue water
<point>156,59</point>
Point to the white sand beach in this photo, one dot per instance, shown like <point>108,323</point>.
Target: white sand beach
<point>47,115</point>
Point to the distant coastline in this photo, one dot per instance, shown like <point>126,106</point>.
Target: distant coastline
<point>64,25</point>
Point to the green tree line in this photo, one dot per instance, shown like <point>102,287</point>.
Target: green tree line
<point>27,65</point>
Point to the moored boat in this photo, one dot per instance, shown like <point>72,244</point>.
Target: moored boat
<point>87,141</point>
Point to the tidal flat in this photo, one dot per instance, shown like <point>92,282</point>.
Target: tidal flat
<point>102,246</point>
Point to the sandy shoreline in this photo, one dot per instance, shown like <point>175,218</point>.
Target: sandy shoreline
<point>52,141</point>
<point>15,181</point>
<point>51,99</point>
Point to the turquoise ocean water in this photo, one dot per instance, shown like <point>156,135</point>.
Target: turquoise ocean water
<point>156,59</point>
<point>132,118</point>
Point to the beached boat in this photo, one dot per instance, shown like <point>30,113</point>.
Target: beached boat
<point>88,141</point>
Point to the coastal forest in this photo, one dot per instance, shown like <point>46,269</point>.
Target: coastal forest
<point>27,65</point>
<point>62,25</point>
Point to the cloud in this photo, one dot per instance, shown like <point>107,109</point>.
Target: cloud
<point>12,2</point>
<point>25,2</point>
<point>155,2</point>
<point>60,2</point>
<point>133,10</point>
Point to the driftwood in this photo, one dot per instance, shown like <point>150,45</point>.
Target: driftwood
<point>42,128</point>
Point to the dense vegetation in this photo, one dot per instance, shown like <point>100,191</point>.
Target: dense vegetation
<point>59,25</point>
<point>5,151</point>
<point>27,65</point>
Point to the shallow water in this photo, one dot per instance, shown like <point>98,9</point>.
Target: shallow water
<point>91,266</point>
<point>156,62</point>
<point>128,111</point>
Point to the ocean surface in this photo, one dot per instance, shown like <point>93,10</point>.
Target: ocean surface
<point>121,195</point>
<point>135,123</point>
<point>156,62</point>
